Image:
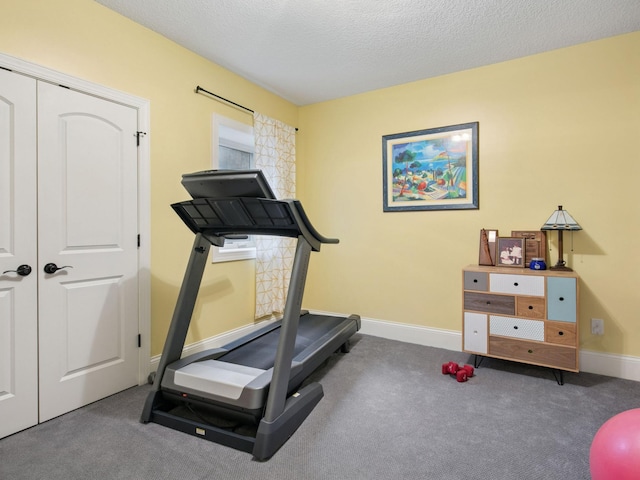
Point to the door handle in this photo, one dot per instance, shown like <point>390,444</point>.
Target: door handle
<point>22,270</point>
<point>53,268</point>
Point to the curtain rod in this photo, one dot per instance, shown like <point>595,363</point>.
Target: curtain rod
<point>200,89</point>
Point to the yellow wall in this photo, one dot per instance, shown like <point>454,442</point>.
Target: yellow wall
<point>560,128</point>
<point>84,39</point>
<point>557,128</point>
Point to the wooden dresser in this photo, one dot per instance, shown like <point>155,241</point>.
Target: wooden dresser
<point>522,315</point>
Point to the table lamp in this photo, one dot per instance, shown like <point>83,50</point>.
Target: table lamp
<point>560,220</point>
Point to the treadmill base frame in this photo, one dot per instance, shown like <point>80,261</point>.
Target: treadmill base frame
<point>270,436</point>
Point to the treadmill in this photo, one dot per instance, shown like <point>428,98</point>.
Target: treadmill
<point>250,394</point>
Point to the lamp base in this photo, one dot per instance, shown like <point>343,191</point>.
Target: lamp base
<point>561,268</point>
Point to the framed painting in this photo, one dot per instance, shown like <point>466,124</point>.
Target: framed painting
<point>433,169</point>
<point>510,252</point>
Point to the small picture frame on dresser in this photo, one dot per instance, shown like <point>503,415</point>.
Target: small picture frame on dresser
<point>535,244</point>
<point>510,252</point>
<point>487,250</point>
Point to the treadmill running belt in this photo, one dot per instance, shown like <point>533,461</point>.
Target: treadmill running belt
<point>261,352</point>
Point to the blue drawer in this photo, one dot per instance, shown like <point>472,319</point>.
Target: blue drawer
<point>561,299</point>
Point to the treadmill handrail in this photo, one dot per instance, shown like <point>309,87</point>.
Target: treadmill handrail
<point>307,223</point>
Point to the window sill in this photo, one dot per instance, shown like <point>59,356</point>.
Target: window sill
<point>220,255</point>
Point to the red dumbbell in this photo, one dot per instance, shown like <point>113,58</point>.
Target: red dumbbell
<point>465,373</point>
<point>450,368</point>
<point>469,369</point>
<point>462,373</point>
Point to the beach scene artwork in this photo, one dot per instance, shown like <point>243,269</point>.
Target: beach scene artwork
<point>431,168</point>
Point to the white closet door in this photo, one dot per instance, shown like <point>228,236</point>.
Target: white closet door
<point>87,208</point>
<point>18,293</point>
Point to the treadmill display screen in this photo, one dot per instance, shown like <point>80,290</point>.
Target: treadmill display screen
<point>227,183</point>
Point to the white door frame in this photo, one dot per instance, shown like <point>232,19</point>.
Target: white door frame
<point>144,193</point>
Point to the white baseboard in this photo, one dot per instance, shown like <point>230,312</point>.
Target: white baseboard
<point>213,342</point>
<point>403,332</point>
<point>430,337</point>
<point>620,366</point>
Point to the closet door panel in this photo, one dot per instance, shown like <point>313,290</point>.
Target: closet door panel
<point>18,292</point>
<point>87,205</point>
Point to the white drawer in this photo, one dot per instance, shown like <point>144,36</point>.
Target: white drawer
<point>516,328</point>
<point>517,284</point>
<point>475,332</point>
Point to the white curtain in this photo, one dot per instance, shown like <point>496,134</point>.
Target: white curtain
<point>275,155</point>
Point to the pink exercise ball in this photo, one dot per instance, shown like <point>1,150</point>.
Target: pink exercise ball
<point>615,450</point>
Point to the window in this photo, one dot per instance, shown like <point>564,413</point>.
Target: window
<point>232,149</point>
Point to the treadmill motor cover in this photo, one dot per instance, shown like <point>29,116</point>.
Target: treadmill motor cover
<point>220,378</point>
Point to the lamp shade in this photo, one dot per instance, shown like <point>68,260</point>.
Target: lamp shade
<point>561,220</point>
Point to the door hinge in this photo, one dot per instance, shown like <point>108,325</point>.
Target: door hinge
<point>138,240</point>
<point>139,340</point>
<point>138,135</point>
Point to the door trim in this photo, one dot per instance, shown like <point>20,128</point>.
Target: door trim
<point>142,105</point>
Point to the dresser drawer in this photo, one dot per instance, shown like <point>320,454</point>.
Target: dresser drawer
<point>561,299</point>
<point>475,281</point>
<point>516,328</point>
<point>562,333</point>
<point>554,356</point>
<point>530,307</point>
<point>485,302</point>
<point>517,284</point>
<point>475,333</point>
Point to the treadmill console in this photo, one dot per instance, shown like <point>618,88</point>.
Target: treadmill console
<point>227,183</point>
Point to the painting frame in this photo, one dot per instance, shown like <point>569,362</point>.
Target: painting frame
<point>505,254</point>
<point>431,169</point>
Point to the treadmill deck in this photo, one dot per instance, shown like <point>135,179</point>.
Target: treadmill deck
<point>239,375</point>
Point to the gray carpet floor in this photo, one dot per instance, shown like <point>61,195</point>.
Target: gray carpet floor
<point>388,413</point>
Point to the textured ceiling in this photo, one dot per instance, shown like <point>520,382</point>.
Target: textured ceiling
<point>309,51</point>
